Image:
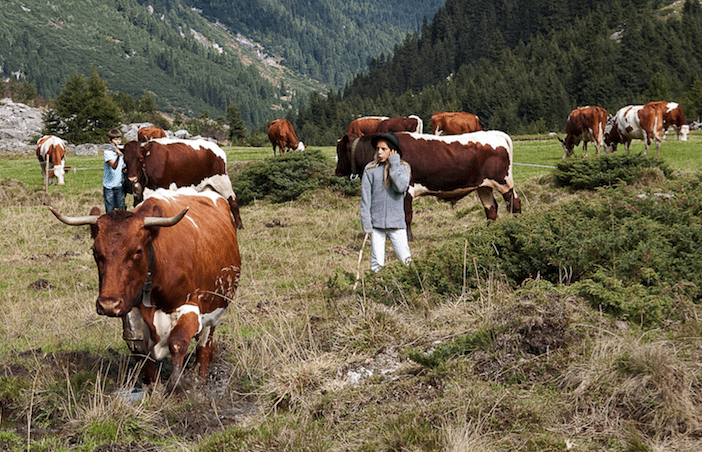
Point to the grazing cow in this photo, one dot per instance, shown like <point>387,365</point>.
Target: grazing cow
<point>673,116</point>
<point>365,125</point>
<point>584,124</point>
<point>161,162</point>
<point>147,133</point>
<point>412,123</point>
<point>448,167</point>
<point>282,135</point>
<point>643,122</point>
<point>51,152</point>
<point>179,273</point>
<point>454,123</point>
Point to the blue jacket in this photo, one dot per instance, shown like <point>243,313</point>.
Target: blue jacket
<point>384,208</point>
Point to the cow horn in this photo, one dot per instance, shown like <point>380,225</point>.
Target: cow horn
<point>163,221</point>
<point>75,221</point>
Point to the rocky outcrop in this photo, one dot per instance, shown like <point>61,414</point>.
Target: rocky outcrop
<point>21,126</point>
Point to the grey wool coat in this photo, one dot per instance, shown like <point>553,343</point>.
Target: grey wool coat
<point>381,207</point>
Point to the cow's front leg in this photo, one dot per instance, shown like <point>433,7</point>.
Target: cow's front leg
<point>187,327</point>
<point>489,203</point>
<point>205,350</point>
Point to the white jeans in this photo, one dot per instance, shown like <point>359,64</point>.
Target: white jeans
<point>398,238</point>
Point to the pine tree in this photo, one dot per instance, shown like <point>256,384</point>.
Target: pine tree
<point>237,130</point>
<point>83,112</point>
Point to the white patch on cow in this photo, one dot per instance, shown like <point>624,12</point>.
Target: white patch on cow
<point>300,146</point>
<point>164,324</point>
<point>670,106</point>
<point>196,144</point>
<point>172,193</point>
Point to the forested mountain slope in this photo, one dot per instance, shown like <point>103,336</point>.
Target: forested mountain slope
<point>329,40</point>
<point>525,69</point>
<point>173,53</point>
<point>193,65</point>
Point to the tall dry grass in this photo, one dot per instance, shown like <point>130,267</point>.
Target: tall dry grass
<point>326,367</point>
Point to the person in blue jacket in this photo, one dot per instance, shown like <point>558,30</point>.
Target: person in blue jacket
<point>385,181</point>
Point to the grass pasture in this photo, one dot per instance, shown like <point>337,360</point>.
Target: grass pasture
<point>305,363</point>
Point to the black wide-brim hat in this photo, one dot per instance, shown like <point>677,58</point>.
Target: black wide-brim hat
<point>390,138</point>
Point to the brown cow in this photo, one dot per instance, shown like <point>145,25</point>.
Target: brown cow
<point>454,123</point>
<point>584,124</point>
<point>147,133</point>
<point>412,123</point>
<point>163,161</point>
<point>365,125</point>
<point>174,275</point>
<point>643,122</point>
<point>448,167</point>
<point>282,135</point>
<point>51,153</point>
<point>673,116</point>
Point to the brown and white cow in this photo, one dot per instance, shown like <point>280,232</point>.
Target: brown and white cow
<point>673,116</point>
<point>51,153</point>
<point>448,167</point>
<point>454,123</point>
<point>282,135</point>
<point>183,245</point>
<point>162,162</point>
<point>642,122</point>
<point>147,133</point>
<point>365,125</point>
<point>411,123</point>
<point>584,124</point>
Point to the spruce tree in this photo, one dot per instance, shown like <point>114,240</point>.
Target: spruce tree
<point>237,130</point>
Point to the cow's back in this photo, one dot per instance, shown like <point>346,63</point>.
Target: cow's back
<point>200,253</point>
<point>365,125</point>
<point>182,163</point>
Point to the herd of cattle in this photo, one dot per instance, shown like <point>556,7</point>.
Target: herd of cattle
<point>647,122</point>
<point>174,259</point>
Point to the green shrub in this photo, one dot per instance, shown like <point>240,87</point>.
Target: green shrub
<point>628,249</point>
<point>606,171</point>
<point>286,177</point>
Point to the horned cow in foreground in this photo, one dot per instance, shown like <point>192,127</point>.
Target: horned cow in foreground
<point>161,162</point>
<point>51,153</point>
<point>282,135</point>
<point>584,124</point>
<point>184,244</point>
<point>448,167</point>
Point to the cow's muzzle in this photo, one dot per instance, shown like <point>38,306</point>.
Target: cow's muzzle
<point>110,307</point>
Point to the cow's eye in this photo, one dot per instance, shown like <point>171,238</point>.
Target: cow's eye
<point>137,254</point>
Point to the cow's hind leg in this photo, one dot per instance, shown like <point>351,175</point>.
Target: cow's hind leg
<point>489,203</point>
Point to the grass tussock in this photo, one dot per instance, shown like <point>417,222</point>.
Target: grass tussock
<point>575,326</point>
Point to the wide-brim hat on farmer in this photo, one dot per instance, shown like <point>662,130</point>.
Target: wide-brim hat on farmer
<point>114,133</point>
<point>391,138</point>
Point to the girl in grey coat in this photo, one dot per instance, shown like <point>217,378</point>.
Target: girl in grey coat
<point>385,181</point>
